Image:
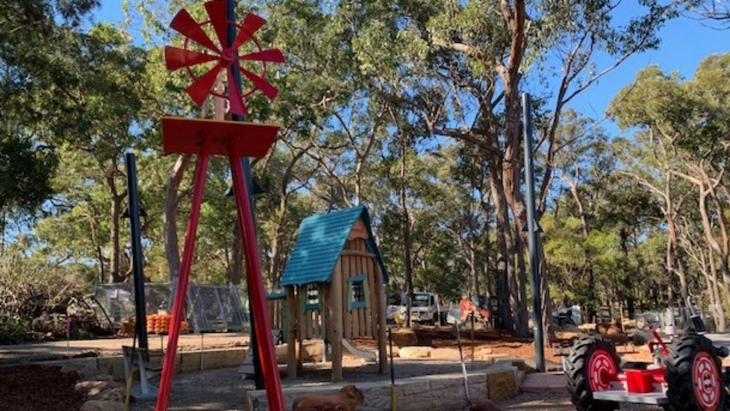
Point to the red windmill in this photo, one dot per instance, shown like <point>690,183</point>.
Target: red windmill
<point>224,57</point>
<point>233,139</point>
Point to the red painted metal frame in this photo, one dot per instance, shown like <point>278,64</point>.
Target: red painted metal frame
<point>255,281</point>
<point>182,135</point>
<point>168,366</point>
<point>227,58</point>
<point>236,147</point>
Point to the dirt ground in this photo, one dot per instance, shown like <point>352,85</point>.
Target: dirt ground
<point>28,353</point>
<point>37,388</point>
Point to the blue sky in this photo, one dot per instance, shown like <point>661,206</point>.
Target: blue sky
<point>685,42</point>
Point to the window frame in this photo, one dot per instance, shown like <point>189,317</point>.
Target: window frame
<point>351,303</point>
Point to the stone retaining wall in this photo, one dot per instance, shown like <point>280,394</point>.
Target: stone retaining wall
<point>186,361</point>
<point>431,392</point>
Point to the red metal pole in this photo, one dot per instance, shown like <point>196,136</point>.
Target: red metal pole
<point>168,366</point>
<point>255,282</point>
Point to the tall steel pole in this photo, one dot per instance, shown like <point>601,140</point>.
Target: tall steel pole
<point>532,233</point>
<point>231,36</point>
<point>137,258</point>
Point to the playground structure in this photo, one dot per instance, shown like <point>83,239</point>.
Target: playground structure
<point>335,288</point>
<point>686,373</point>
<point>234,139</point>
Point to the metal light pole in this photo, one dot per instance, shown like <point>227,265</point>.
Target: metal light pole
<point>532,233</point>
<point>231,36</point>
<point>137,259</point>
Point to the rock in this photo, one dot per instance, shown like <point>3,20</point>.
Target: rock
<point>404,337</point>
<point>566,335</point>
<point>502,385</point>
<point>313,350</point>
<point>281,353</point>
<point>96,390</point>
<point>571,328</point>
<point>415,352</point>
<point>95,405</point>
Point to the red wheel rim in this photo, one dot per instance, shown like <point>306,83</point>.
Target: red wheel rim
<point>601,370</point>
<point>706,381</point>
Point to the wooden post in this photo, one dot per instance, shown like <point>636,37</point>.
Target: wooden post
<point>325,317</point>
<point>379,303</point>
<point>336,324</point>
<point>291,346</point>
<point>301,294</point>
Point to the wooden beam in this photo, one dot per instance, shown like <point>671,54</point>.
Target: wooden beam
<point>380,307</point>
<point>291,348</point>
<point>336,323</point>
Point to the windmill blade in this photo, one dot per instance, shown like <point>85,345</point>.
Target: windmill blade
<point>263,85</point>
<point>251,24</point>
<point>186,25</point>
<point>271,55</point>
<point>176,58</point>
<point>218,14</point>
<point>234,95</point>
<point>200,88</point>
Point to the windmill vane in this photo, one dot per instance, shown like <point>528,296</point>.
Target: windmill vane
<point>226,58</point>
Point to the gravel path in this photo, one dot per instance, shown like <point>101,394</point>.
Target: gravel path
<point>555,402</point>
<point>223,389</point>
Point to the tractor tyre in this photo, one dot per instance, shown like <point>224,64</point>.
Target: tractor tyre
<point>694,378</point>
<point>591,361</point>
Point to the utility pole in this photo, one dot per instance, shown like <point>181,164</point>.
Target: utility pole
<point>532,231</point>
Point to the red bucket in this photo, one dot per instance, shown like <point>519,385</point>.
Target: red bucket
<point>639,382</point>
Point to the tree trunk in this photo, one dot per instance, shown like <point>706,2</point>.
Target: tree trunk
<point>407,235</point>
<point>172,201</point>
<point>503,257</point>
<point>235,270</point>
<point>115,275</point>
<point>487,249</point>
<point>547,309</point>
<point>712,242</point>
<point>522,317</point>
<point>717,307</point>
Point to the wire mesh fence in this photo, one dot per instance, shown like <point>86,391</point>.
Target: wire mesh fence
<point>210,307</point>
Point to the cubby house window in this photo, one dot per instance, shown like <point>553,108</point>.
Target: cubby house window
<point>357,292</point>
<point>311,297</point>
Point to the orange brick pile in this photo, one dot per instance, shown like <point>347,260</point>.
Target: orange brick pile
<point>160,324</point>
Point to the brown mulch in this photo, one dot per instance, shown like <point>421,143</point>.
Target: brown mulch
<point>38,388</point>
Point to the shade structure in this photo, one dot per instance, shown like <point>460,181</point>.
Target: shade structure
<point>185,136</point>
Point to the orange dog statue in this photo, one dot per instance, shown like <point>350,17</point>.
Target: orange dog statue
<point>346,399</point>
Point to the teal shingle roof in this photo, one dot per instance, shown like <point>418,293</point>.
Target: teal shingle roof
<point>319,243</point>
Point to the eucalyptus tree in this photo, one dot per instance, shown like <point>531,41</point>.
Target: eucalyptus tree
<point>689,121</point>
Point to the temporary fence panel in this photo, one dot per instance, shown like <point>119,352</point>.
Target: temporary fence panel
<point>210,307</point>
